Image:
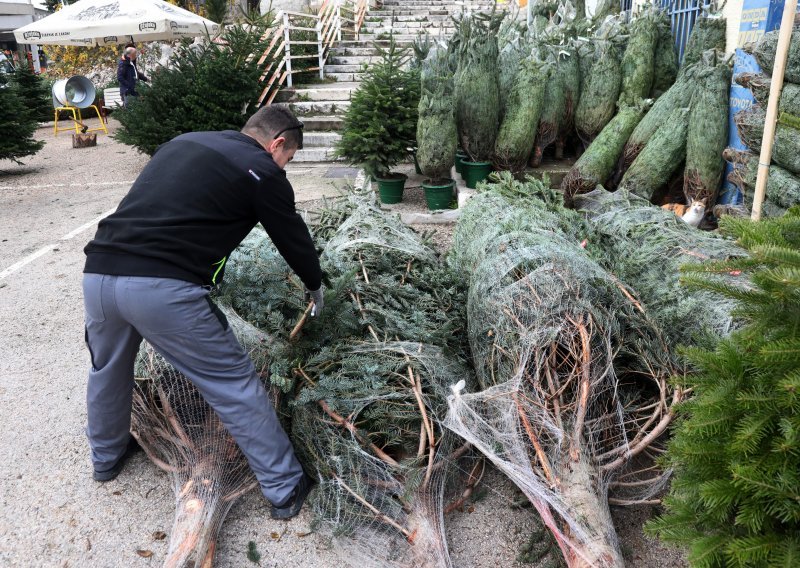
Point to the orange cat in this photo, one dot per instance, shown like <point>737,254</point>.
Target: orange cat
<point>692,214</point>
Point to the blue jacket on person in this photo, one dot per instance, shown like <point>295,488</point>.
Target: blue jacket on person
<point>127,75</point>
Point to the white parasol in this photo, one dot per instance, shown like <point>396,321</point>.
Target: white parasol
<point>104,22</point>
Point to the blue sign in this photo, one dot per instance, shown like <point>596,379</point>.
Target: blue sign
<point>758,18</point>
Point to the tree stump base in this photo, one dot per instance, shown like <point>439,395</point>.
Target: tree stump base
<point>84,140</point>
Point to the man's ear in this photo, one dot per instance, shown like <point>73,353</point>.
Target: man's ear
<point>275,144</point>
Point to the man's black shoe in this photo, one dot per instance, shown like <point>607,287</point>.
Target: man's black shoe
<point>295,501</point>
<point>114,471</point>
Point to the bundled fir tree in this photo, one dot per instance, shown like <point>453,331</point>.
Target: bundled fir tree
<point>213,87</point>
<point>16,125</point>
<point>477,87</point>
<point>436,128</point>
<point>381,123</point>
<point>518,129</point>
<point>736,451</point>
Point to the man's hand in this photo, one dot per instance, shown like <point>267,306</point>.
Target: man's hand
<point>319,301</point>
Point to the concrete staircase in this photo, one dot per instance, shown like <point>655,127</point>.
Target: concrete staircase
<point>322,105</point>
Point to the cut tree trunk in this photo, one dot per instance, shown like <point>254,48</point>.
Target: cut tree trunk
<point>84,140</point>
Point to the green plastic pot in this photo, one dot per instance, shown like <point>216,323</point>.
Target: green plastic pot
<point>460,157</point>
<point>473,172</point>
<point>390,189</point>
<point>438,193</point>
<point>416,163</point>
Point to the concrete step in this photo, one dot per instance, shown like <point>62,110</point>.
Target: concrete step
<point>345,68</point>
<point>320,139</point>
<point>316,93</point>
<point>317,108</point>
<point>421,17</point>
<point>387,22</point>
<point>344,77</point>
<point>368,43</point>
<point>353,60</point>
<point>323,123</point>
<point>314,155</point>
<point>353,51</point>
<point>433,29</point>
<point>384,36</point>
<point>413,13</point>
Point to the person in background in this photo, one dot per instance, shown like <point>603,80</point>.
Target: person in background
<point>128,74</point>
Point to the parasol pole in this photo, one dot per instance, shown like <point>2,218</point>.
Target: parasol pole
<point>778,70</point>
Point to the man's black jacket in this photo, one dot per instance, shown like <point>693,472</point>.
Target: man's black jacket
<point>127,74</point>
<point>193,203</point>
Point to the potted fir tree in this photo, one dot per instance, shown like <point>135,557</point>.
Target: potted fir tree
<point>436,130</point>
<point>478,97</point>
<point>380,124</point>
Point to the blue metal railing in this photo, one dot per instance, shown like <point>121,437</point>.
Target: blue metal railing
<point>682,13</point>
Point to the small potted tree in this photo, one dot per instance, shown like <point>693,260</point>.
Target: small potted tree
<point>380,124</point>
<point>436,130</point>
<point>478,97</point>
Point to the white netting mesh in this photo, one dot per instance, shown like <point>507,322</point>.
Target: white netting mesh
<point>182,435</point>
<point>368,419</point>
<point>575,375</point>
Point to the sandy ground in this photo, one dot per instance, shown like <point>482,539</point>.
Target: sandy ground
<point>51,512</point>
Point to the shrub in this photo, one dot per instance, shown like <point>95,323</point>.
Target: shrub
<point>210,87</point>
<point>736,451</point>
<point>381,123</point>
<point>16,125</point>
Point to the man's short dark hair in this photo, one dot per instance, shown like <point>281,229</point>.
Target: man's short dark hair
<point>271,120</point>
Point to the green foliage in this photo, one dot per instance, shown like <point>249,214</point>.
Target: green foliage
<point>707,134</point>
<point>707,33</point>
<point>660,158</point>
<point>599,93</point>
<point>666,57</point>
<point>759,84</point>
<point>16,125</point>
<point>477,87</point>
<point>750,124</point>
<point>381,123</point>
<point>217,10</point>
<point>764,51</point>
<point>597,163</point>
<point>676,97</point>
<point>518,129</point>
<point>783,188</point>
<point>736,450</point>
<point>638,62</point>
<point>436,129</point>
<point>211,87</point>
<point>253,555</point>
<point>554,104</point>
<point>35,93</point>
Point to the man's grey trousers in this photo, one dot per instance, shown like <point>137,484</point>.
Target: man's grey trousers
<point>177,319</point>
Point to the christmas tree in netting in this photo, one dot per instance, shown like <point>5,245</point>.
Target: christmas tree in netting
<point>575,376</point>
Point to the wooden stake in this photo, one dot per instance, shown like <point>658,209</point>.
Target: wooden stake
<point>778,71</point>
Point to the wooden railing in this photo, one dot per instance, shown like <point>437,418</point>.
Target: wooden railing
<point>333,18</point>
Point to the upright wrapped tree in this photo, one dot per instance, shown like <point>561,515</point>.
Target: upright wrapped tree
<point>436,126</point>
<point>477,89</point>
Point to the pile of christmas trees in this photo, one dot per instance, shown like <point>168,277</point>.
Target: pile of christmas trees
<point>783,183</point>
<point>670,151</point>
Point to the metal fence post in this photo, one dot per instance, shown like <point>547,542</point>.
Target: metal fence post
<point>287,50</point>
